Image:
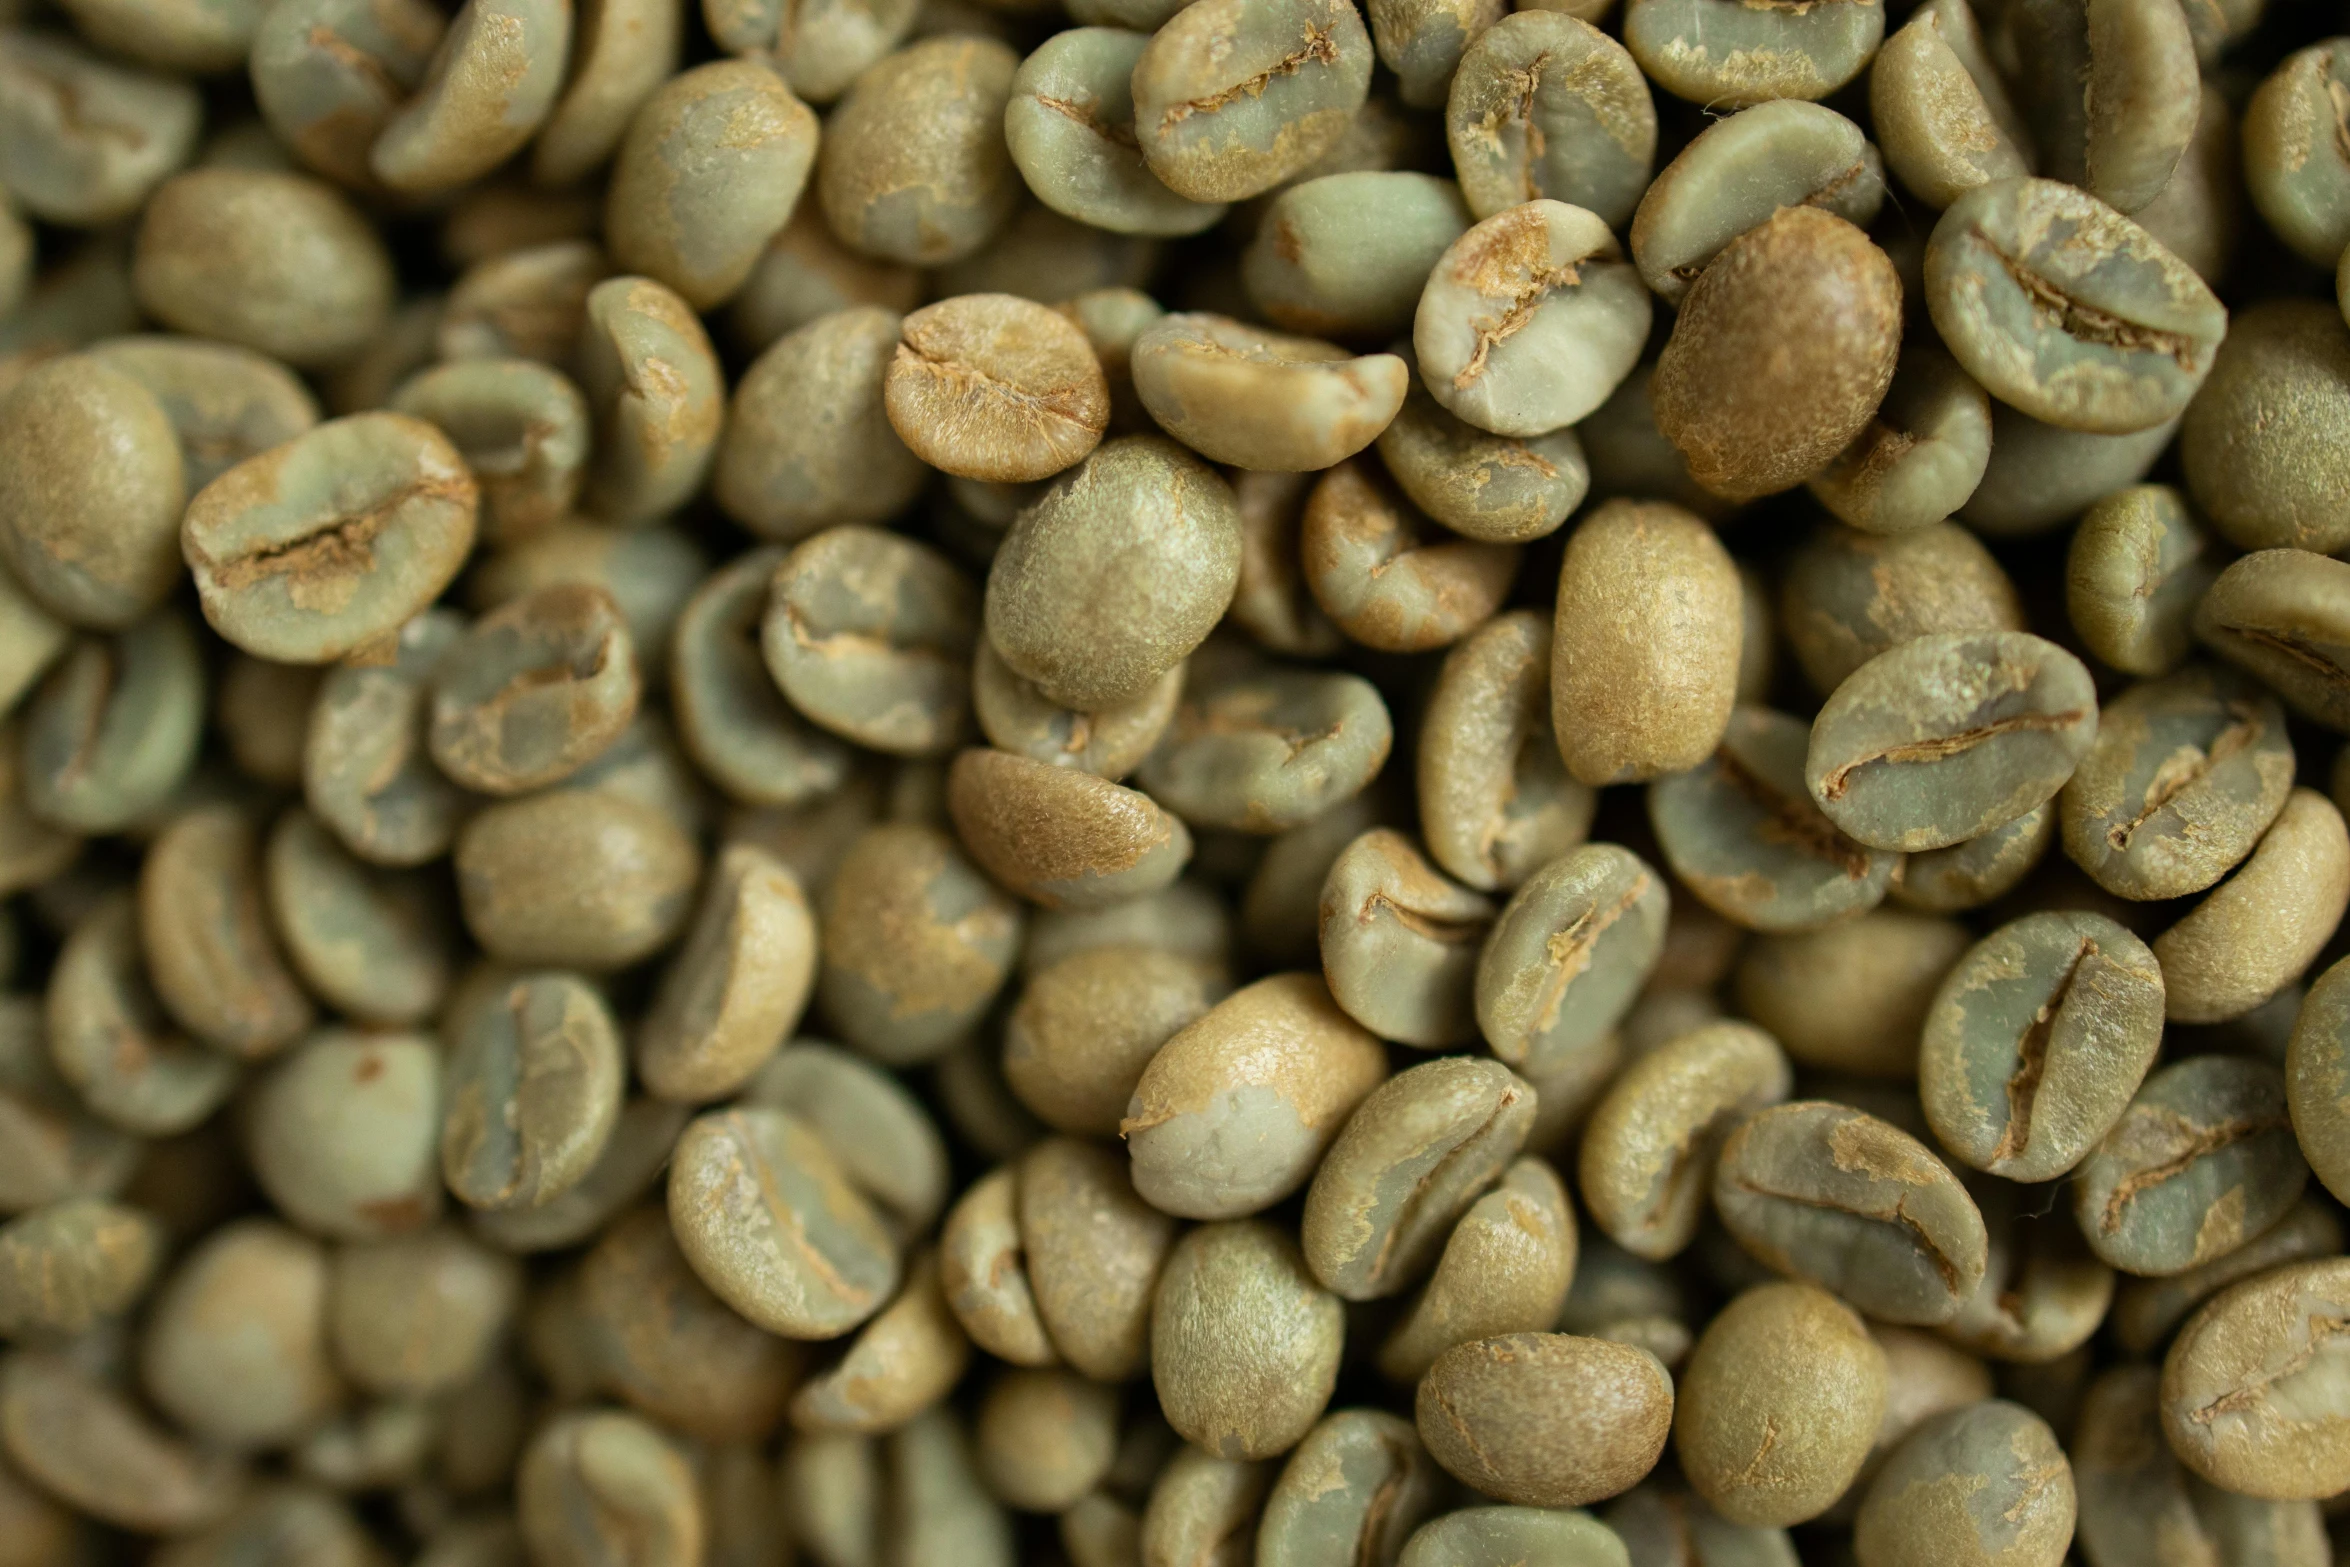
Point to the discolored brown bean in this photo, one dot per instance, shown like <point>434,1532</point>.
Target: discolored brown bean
<point>994,387</point>
<point>1059,837</point>
<point>1546,1419</point>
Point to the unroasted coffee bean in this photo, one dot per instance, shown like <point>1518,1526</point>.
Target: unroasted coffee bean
<point>1347,254</point>
<point>1640,695</point>
<point>1848,596</point>
<point>1229,102</point>
<point>577,879</point>
<point>1046,1437</point>
<point>1496,803</point>
<point>2244,1385</point>
<point>993,387</point>
<point>1070,128</point>
<point>2298,179</point>
<point>1265,749</point>
<point>1781,1358</point>
<point>1649,1148</point>
<point>1568,955</point>
<point>1546,1419</point>
<point>535,1075</point>
<point>869,636</point>
<point>1990,1476</point>
<point>1387,580</point>
<point>985,1276</point>
<point>1505,1268</point>
<point>874,1126</point>
<point>2261,447</point>
<point>1501,489</point>
<point>2201,1161</point>
<point>2061,306</point>
<point>915,942</point>
<point>1412,1157</point>
<point>1831,1194</point>
<point>904,1360</point>
<point>1116,575</point>
<point>1851,997</point>
<point>1095,1251</point>
<point>1236,1110</point>
<point>1743,834</point>
<point>1244,1343</point>
<point>421,1314</point>
<point>1529,320</point>
<point>1920,457</point>
<point>237,1348</point>
<point>1059,837</point>
<point>1949,736</point>
<point>73,1264</point>
<point>372,943</point>
<point>1087,1026</point>
<point>344,1130</point>
<point>112,1043</point>
<point>767,1216</point>
<point>2285,616</point>
<point>1545,105</point>
<point>2147,1311</point>
<point>535,691</point>
<point>1263,400</point>
<point>1399,942</point>
<point>2036,1042</point>
<point>595,1484</point>
<point>929,197</point>
<point>2138,565</point>
<point>90,1445</point>
<point>1355,1488</point>
<point>332,540</point>
<point>207,941</point>
<point>2259,930</point>
<point>1756,402</point>
<point>1498,1536</point>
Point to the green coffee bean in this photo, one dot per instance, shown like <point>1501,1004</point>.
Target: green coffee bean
<point>51,1150</point>
<point>1244,1343</point>
<point>2037,1040</point>
<point>2280,614</point>
<point>584,880</point>
<point>2040,475</point>
<point>535,1075</point>
<point>1941,110</point>
<point>1851,997</point>
<point>2061,306</point>
<point>1059,837</point>
<point>596,1485</point>
<point>1265,749</point>
<point>910,1355</point>
<point>2298,179</point>
<point>1088,1024</point>
<point>1229,102</point>
<point>913,166</point>
<point>366,770</point>
<point>2080,61</point>
<point>91,1446</point>
<point>986,1277</point>
<point>1070,127</point>
<point>113,729</point>
<point>328,73</point>
<point>1545,105</point>
<point>2260,930</point>
<point>1754,402</point>
<point>1993,724</point>
<point>1110,742</point>
<point>620,57</point>
<point>1649,1148</point>
<point>1497,1414</point>
<point>1263,400</point>
<point>1495,801</point>
<point>806,273</point>
<point>277,262</point>
<point>226,403</point>
<point>1568,955</point>
<point>1743,834</point>
<point>1346,255</point>
<point>1498,1536</point>
<point>1827,1193</point>
<point>1499,489</point>
<point>916,943</point>
<point>1116,575</point>
<point>2260,443</point>
<point>1848,596</point>
<point>332,540</point>
<point>879,1132</point>
<point>633,1156</point>
<point>421,1314</point>
<point>271,1515</point>
<point>109,1036</point>
<point>207,941</point>
<point>652,379</point>
<point>738,984</point>
<point>1046,1437</point>
<point>1990,1478</point>
<point>523,429</point>
<point>345,1130</point>
<point>236,1348</point>
<point>869,635</point>
<point>1712,52</point>
<point>708,172</point>
<point>1399,942</point>
<point>1920,457</point>
<point>2138,565</point>
<point>66,1267</point>
<point>1738,172</point>
<point>2147,1311</point>
<point>1095,1252</point>
<point>1354,1490</point>
<point>1236,1109</point>
<point>491,83</point>
<point>2245,1386</point>
<point>87,140</point>
<point>91,482</point>
<point>797,1250</point>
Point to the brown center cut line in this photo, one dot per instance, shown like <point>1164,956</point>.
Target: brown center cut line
<point>344,546</point>
<point>1939,748</point>
<point>2085,323</point>
<point>1524,304</point>
<point>2338,99</point>
<point>1569,951</point>
<point>2302,650</point>
<point>1088,115</point>
<point>2201,1145</point>
<point>1319,48</point>
<point>2023,1084</point>
<point>1452,933</point>
<point>2321,1328</point>
<point>1923,1242</point>
<point>2239,737</point>
<point>1796,822</point>
<point>1413,1199</point>
<point>1038,407</point>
